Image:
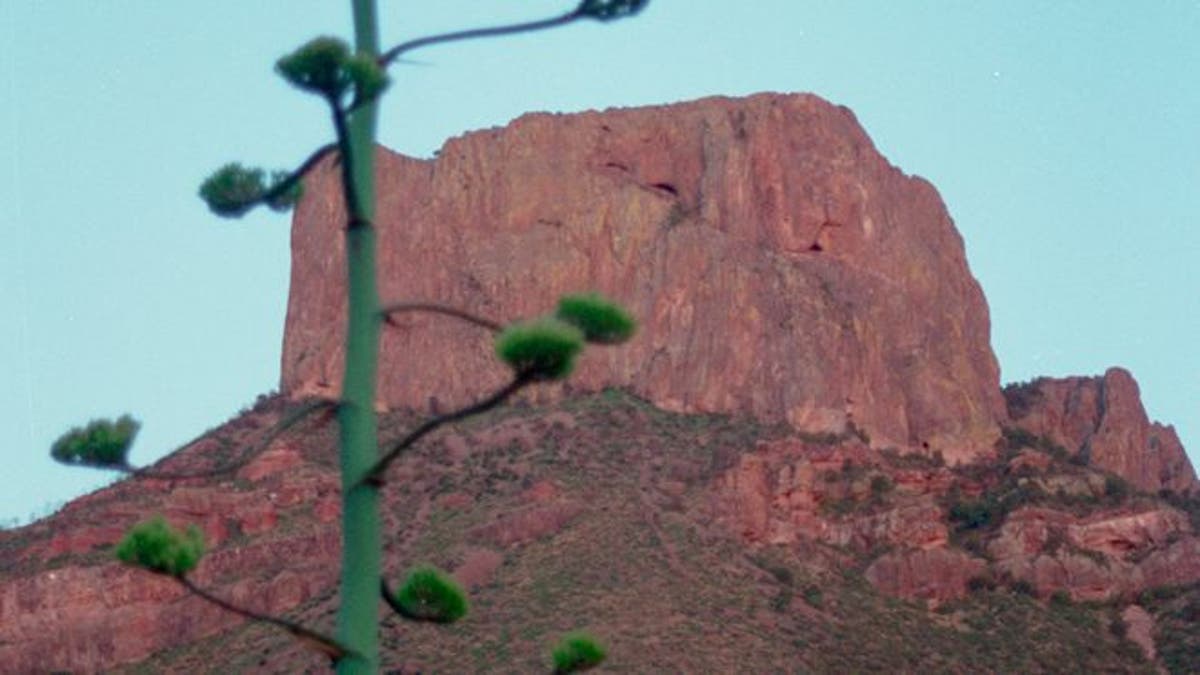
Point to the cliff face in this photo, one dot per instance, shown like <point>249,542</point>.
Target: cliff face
<point>779,265</point>
<point>1102,419</point>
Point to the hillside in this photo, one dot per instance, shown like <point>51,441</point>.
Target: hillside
<point>554,521</point>
<point>804,461</point>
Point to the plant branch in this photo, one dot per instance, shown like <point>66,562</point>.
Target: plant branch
<point>295,176</point>
<point>287,422</point>
<point>436,308</point>
<point>314,640</point>
<point>375,475</point>
<point>390,599</point>
<point>353,208</point>
<point>390,55</point>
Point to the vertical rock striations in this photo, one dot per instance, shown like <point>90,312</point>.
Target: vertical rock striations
<point>780,266</point>
<point>1102,418</point>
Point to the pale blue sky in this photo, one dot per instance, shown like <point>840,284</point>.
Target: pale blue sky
<point>1062,135</point>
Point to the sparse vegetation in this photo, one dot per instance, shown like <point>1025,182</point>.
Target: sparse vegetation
<point>428,594</point>
<point>1021,397</point>
<point>881,485</point>
<point>607,570</point>
<point>1189,504</point>
<point>158,547</point>
<point>977,513</point>
<point>1176,612</point>
<point>1015,439</point>
<point>577,652</point>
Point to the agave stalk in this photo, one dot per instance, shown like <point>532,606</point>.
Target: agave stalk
<point>357,622</point>
<point>537,350</point>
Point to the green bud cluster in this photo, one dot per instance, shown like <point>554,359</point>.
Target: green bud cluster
<point>325,66</point>
<point>102,443</point>
<point>602,321</point>
<point>547,347</point>
<point>233,190</point>
<point>158,547</point>
<point>608,10</point>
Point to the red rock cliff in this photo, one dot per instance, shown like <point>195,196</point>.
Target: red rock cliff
<point>1103,418</point>
<point>779,265</point>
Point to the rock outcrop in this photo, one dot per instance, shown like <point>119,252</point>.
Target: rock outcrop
<point>1101,556</point>
<point>1064,530</point>
<point>782,271</point>
<point>1102,419</point>
<point>779,265</point>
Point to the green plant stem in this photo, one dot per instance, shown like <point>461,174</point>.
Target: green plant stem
<point>375,475</point>
<point>351,191</point>
<point>437,308</point>
<point>295,176</point>
<point>322,643</point>
<point>395,52</point>
<point>358,615</point>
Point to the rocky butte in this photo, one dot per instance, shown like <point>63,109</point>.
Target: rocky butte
<point>812,399</point>
<point>780,266</point>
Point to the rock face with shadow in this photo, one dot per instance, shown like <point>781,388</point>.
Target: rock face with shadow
<point>779,265</point>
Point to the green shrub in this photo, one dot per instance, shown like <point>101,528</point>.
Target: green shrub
<point>880,486</point>
<point>814,596</point>
<point>158,547</point>
<point>1015,439</point>
<point>782,599</point>
<point>428,594</point>
<point>973,515</point>
<point>102,443</point>
<point>839,507</point>
<point>1020,397</point>
<point>983,582</point>
<point>577,651</point>
<point>782,574</point>
<point>1116,489</point>
<point>1152,597</point>
<point>1023,587</point>
<point>855,431</point>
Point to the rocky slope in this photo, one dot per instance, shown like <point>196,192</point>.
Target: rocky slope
<point>809,442</point>
<point>692,543</point>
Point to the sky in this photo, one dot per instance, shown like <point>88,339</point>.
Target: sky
<point>1063,136</point>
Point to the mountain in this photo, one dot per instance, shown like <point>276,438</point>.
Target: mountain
<point>779,265</point>
<point>804,461</point>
